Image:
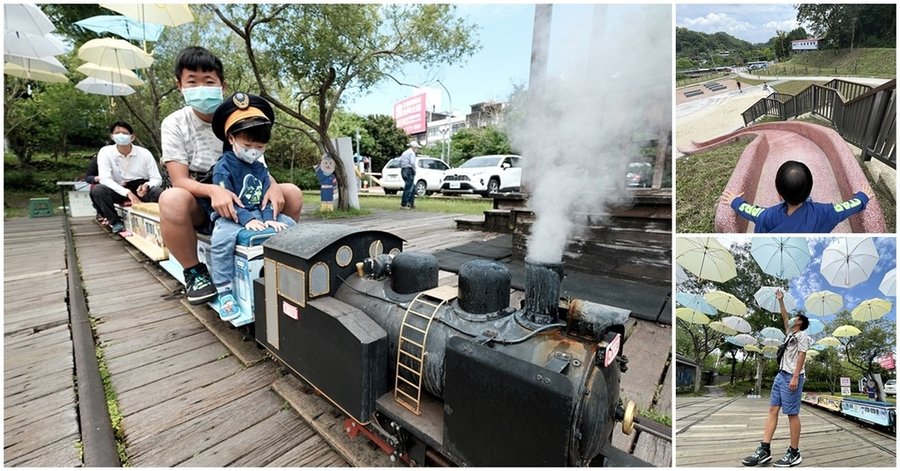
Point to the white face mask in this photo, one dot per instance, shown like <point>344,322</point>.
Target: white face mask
<point>121,139</point>
<point>247,154</point>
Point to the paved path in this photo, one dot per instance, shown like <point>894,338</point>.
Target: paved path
<point>872,81</point>
<point>703,119</point>
<point>719,431</point>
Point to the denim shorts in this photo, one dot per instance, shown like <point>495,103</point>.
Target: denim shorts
<point>782,396</point>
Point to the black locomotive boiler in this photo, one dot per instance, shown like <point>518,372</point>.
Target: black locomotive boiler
<point>447,373</point>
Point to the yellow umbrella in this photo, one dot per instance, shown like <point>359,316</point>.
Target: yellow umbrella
<point>770,348</point>
<point>110,74</point>
<point>829,342</point>
<point>167,14</point>
<point>726,302</point>
<point>37,75</point>
<point>846,331</point>
<point>811,353</point>
<point>718,326</point>
<point>115,53</point>
<point>752,348</point>
<point>871,309</point>
<point>705,257</point>
<point>691,316</point>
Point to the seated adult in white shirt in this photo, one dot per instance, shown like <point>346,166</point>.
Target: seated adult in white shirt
<point>128,172</point>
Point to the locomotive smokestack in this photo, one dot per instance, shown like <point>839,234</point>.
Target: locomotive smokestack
<point>542,282</point>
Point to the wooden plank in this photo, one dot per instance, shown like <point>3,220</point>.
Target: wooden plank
<point>64,453</point>
<point>664,397</point>
<point>40,433</point>
<point>158,352</point>
<point>653,450</point>
<point>645,365</point>
<point>148,373</point>
<point>28,412</point>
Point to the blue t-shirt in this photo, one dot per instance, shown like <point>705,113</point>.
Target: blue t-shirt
<point>248,181</point>
<point>811,217</point>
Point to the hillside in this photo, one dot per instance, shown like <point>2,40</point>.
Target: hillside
<point>699,47</point>
<point>873,62</point>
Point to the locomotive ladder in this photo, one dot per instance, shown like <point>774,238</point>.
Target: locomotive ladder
<point>411,348</point>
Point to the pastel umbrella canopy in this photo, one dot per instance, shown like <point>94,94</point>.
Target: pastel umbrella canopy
<point>846,331</point>
<point>819,347</point>
<point>770,352</point>
<point>691,316</point>
<point>31,45</point>
<point>695,302</point>
<point>737,324</point>
<point>706,258</point>
<point>167,14</point>
<point>772,333</point>
<point>122,26</point>
<point>823,303</point>
<point>888,284</point>
<point>110,74</point>
<point>781,257</point>
<point>811,353</point>
<point>101,87</point>
<point>829,342</point>
<point>871,309</point>
<point>26,18</point>
<point>848,262</point>
<point>718,326</point>
<point>815,327</point>
<point>769,342</point>
<point>680,275</point>
<point>726,302</point>
<point>765,298</point>
<point>37,75</point>
<point>41,64</point>
<point>752,348</point>
<point>115,53</point>
<point>744,339</point>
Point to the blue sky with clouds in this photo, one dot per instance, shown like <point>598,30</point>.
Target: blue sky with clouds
<point>755,23</point>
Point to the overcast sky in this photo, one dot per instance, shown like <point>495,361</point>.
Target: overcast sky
<point>755,23</point>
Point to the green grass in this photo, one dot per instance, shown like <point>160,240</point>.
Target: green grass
<point>112,404</point>
<point>368,203</point>
<point>687,81</point>
<point>794,87</point>
<point>656,416</point>
<point>874,62</point>
<point>701,179</point>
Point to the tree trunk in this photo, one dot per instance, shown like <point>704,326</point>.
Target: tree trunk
<point>759,371</point>
<point>733,365</point>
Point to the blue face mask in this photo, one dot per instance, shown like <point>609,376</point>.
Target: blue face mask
<point>247,154</point>
<point>121,139</point>
<point>204,100</point>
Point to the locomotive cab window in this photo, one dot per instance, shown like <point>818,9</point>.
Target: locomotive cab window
<point>376,248</point>
<point>319,280</point>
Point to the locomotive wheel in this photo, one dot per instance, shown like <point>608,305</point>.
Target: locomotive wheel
<point>628,420</point>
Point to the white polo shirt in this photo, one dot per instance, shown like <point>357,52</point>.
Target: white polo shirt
<point>115,169</point>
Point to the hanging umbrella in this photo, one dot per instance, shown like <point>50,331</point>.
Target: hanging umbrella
<point>695,302</point>
<point>726,302</point>
<point>36,75</point>
<point>718,326</point>
<point>101,87</point>
<point>691,316</point>
<point>31,45</point>
<point>737,324</point>
<point>888,283</point>
<point>116,53</point>
<point>781,257</point>
<point>846,331</point>
<point>110,74</point>
<point>765,298</point>
<point>122,26</point>
<point>811,353</point>
<point>770,353</point>
<point>871,309</point>
<point>829,342</point>
<point>167,14</point>
<point>771,342</point>
<point>772,333</point>
<point>705,257</point>
<point>744,339</point>
<point>819,347</point>
<point>41,64</point>
<point>26,18</point>
<point>680,275</point>
<point>823,303</point>
<point>752,348</point>
<point>848,262</point>
<point>815,326</point>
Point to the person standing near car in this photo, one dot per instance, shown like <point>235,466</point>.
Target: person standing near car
<point>408,173</point>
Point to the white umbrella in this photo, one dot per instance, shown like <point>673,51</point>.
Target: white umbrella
<point>771,342</point>
<point>781,257</point>
<point>26,18</point>
<point>680,275</point>
<point>772,333</point>
<point>31,45</point>
<point>42,64</point>
<point>705,257</point>
<point>718,326</point>
<point>167,14</point>
<point>116,53</point>
<point>101,87</point>
<point>765,298</point>
<point>37,75</point>
<point>744,339</point>
<point>823,303</point>
<point>737,324</point>
<point>110,74</point>
<point>848,262</point>
<point>888,283</point>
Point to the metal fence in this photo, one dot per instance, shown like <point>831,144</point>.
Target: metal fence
<point>862,115</point>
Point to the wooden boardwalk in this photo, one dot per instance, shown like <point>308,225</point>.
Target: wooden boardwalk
<point>720,431</point>
<point>40,417</point>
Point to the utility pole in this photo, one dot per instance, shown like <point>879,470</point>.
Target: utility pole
<point>450,120</point>
<point>540,43</point>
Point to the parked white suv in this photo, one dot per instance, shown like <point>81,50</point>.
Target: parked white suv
<point>429,173</point>
<point>890,387</point>
<point>484,175</point>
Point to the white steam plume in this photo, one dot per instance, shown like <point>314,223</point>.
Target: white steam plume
<point>578,130</point>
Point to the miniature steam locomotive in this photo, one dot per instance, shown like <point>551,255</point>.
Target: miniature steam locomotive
<point>443,373</point>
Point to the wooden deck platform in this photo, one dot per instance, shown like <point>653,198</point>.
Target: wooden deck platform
<point>720,431</point>
<point>188,400</point>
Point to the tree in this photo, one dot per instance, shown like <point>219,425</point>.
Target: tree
<point>877,338</point>
<point>851,25</point>
<point>316,52</point>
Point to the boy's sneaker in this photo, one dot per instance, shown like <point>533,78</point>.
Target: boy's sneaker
<point>791,458</point>
<point>762,455</point>
<point>198,286</point>
<point>117,228</point>
<point>228,308</point>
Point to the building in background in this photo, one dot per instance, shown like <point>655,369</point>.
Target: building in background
<point>804,45</point>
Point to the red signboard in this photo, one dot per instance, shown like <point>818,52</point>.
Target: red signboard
<point>409,114</point>
<point>887,362</point>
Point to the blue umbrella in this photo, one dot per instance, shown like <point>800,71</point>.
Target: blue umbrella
<point>122,26</point>
<point>781,257</point>
<point>695,302</point>
<point>815,326</point>
<point>819,347</point>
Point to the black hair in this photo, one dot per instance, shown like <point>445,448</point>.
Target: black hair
<point>198,59</point>
<point>804,321</point>
<point>121,124</point>
<point>794,182</point>
<point>260,132</point>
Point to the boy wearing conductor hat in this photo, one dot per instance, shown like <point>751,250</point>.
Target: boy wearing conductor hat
<point>244,123</point>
